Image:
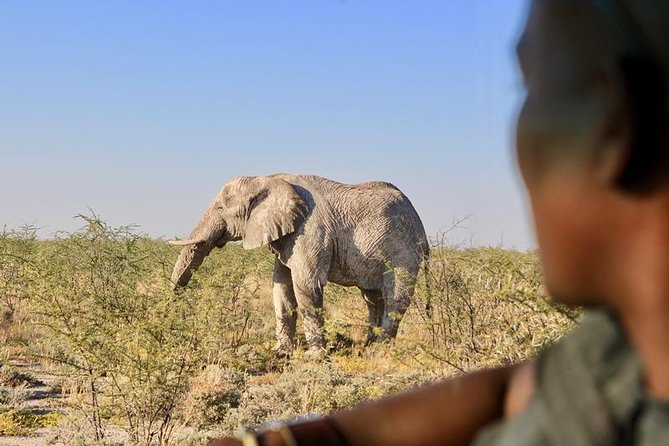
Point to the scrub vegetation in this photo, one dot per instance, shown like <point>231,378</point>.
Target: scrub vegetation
<point>96,348</point>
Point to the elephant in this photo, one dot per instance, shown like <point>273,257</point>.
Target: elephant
<point>365,235</point>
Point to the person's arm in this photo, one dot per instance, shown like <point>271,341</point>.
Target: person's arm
<point>448,413</point>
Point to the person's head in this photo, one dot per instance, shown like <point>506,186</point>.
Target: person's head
<point>592,140</point>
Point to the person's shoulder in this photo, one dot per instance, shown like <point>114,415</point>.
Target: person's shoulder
<point>584,385</point>
<point>596,334</point>
<point>588,382</point>
<point>597,347</point>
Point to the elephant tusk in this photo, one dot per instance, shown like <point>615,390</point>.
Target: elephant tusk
<point>192,241</point>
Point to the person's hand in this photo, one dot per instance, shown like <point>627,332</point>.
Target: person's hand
<point>229,441</point>
<point>269,438</point>
<point>520,389</point>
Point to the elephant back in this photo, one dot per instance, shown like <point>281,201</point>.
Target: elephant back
<point>372,211</point>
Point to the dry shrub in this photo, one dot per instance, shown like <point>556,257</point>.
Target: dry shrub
<point>135,356</point>
<point>127,345</point>
<point>309,389</point>
<point>472,308</point>
<point>487,307</point>
<point>129,348</point>
<point>212,394</point>
<point>18,272</point>
<point>12,377</point>
<point>13,398</point>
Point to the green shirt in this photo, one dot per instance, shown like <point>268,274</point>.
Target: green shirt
<point>589,392</point>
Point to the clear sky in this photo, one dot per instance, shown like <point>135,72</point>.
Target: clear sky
<point>142,110</point>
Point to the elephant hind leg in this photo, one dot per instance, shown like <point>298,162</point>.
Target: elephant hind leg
<point>375,307</point>
<point>398,288</point>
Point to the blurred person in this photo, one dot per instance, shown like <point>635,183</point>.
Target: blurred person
<point>593,152</point>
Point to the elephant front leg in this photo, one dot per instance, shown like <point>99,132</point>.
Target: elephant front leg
<point>285,308</point>
<point>310,304</point>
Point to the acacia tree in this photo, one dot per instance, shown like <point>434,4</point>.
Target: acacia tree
<point>115,323</point>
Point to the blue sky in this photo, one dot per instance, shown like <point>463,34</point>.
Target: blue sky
<point>142,110</point>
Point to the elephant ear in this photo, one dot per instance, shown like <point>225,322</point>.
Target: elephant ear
<point>276,210</point>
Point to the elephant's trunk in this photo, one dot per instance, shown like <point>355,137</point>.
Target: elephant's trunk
<point>208,234</point>
<point>190,259</point>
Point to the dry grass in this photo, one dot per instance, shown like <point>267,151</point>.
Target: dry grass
<point>95,307</point>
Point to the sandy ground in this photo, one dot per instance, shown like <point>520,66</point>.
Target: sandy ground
<point>45,397</point>
<point>42,398</point>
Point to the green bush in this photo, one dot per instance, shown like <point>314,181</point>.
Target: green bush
<point>115,324</point>
<point>96,306</point>
<point>22,423</point>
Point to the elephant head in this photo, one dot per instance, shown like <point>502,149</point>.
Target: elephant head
<point>255,210</point>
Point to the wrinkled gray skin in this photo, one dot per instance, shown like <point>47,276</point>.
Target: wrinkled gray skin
<point>365,235</point>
